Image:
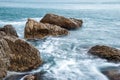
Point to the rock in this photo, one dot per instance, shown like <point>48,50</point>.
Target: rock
<point>4,58</point>
<point>67,23</point>
<point>18,55</point>
<point>29,77</point>
<point>9,30</point>
<point>43,76</point>
<point>2,33</point>
<point>23,56</point>
<point>34,29</point>
<point>106,52</point>
<point>3,70</point>
<point>4,49</point>
<point>112,74</point>
<point>15,53</point>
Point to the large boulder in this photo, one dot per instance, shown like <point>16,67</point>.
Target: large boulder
<point>68,23</point>
<point>23,56</point>
<point>106,52</point>
<point>16,54</point>
<point>34,29</point>
<point>9,30</point>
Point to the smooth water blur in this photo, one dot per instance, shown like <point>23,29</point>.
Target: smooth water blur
<point>66,58</point>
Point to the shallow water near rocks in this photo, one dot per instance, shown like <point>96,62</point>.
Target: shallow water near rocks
<point>66,58</point>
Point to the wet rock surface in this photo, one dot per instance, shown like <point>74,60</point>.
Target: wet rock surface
<point>34,29</point>
<point>68,23</point>
<point>106,52</point>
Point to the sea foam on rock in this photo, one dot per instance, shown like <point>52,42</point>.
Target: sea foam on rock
<point>106,52</point>
<point>67,23</point>
<point>16,54</point>
<point>34,29</point>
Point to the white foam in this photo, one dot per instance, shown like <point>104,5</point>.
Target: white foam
<point>18,23</point>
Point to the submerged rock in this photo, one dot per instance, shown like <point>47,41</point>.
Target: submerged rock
<point>38,76</point>
<point>112,74</point>
<point>29,77</point>
<point>34,29</point>
<point>68,23</point>
<point>15,77</point>
<point>106,52</point>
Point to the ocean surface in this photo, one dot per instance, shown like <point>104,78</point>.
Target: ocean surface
<point>66,58</point>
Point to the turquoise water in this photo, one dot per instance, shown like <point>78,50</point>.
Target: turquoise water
<point>66,58</point>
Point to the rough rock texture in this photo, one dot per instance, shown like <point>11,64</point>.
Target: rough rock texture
<point>4,57</point>
<point>23,56</point>
<point>9,30</point>
<point>109,53</point>
<point>34,29</point>
<point>3,69</point>
<point>112,74</point>
<point>15,53</point>
<point>68,23</point>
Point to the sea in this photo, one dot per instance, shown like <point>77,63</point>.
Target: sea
<point>66,58</point>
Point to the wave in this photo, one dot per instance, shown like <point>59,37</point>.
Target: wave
<point>11,22</point>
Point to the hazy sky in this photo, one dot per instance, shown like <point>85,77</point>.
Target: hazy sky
<point>64,0</point>
<point>67,5</point>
